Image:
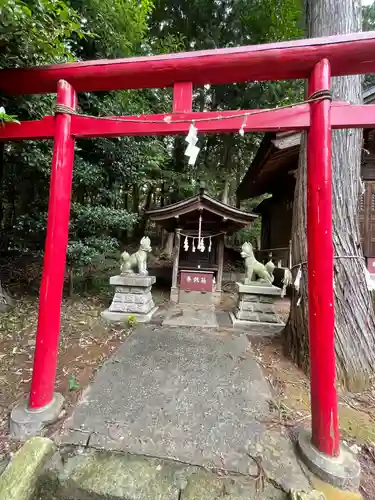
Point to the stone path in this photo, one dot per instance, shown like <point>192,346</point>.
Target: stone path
<point>193,396</point>
<point>190,315</point>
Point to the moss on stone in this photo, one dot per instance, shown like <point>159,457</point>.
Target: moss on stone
<point>19,480</point>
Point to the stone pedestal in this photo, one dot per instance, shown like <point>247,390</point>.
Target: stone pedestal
<point>132,298</point>
<point>255,309</point>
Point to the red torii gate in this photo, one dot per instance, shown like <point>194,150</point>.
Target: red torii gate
<point>315,59</point>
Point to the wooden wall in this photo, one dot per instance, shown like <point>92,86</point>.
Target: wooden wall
<point>278,212</point>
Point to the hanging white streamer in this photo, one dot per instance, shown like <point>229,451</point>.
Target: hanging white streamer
<point>186,244</point>
<point>287,280</point>
<point>369,281</point>
<point>193,155</point>
<point>242,129</point>
<point>192,150</point>
<point>297,281</point>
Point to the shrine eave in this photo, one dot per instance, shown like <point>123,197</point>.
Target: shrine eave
<point>229,219</point>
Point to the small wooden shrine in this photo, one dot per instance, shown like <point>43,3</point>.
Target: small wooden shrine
<point>200,224</point>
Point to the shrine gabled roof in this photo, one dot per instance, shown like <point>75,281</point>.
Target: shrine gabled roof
<point>203,203</point>
<point>276,158</point>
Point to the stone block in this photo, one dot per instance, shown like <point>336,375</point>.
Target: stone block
<point>131,307</point>
<point>132,280</point>
<point>264,308</point>
<point>132,289</point>
<point>18,481</point>
<point>269,318</point>
<point>135,298</point>
<point>256,328</point>
<point>246,306</point>
<point>122,317</point>
<point>246,297</point>
<point>256,307</point>
<point>246,315</point>
<point>257,288</point>
<point>266,300</point>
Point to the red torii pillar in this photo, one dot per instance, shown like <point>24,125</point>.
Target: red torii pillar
<point>44,405</point>
<point>325,431</point>
<point>321,449</point>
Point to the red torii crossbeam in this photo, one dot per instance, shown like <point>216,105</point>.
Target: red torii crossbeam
<point>314,59</point>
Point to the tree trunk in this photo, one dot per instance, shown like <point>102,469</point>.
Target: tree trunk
<point>144,219</point>
<point>168,249</point>
<point>6,301</point>
<point>354,314</point>
<point>225,195</point>
<point>1,187</point>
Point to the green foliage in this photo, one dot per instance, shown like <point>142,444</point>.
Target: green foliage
<point>73,384</point>
<point>132,320</point>
<point>116,180</point>
<point>368,24</point>
<point>5,118</point>
<point>36,32</point>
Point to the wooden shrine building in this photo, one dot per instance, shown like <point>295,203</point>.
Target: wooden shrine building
<point>200,224</point>
<point>273,172</point>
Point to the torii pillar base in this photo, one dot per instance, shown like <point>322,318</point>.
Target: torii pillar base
<point>343,471</point>
<point>25,423</point>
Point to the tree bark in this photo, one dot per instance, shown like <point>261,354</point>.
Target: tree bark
<point>168,249</point>
<point>354,314</point>
<point>147,205</point>
<point>6,301</point>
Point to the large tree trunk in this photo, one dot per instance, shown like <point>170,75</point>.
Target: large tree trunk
<point>168,249</point>
<point>6,301</point>
<point>354,314</point>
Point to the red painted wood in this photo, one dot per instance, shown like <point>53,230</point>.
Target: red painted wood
<point>343,115</point>
<point>296,118</point>
<point>348,54</point>
<point>196,281</point>
<point>276,120</point>
<point>346,115</point>
<point>324,421</point>
<point>47,337</point>
<point>182,97</point>
<point>371,265</point>
<point>33,129</point>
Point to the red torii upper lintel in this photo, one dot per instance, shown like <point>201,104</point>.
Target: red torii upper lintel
<point>348,54</point>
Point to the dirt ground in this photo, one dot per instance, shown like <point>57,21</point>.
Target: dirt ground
<point>85,343</point>
<point>292,401</point>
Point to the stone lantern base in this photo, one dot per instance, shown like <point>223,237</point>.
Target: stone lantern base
<point>255,309</point>
<point>132,298</point>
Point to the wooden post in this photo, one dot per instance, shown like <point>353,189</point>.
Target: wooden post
<point>51,289</point>
<point>325,431</point>
<point>176,259</point>
<point>220,263</point>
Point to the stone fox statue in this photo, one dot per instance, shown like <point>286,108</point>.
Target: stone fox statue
<point>255,270</point>
<point>138,260</point>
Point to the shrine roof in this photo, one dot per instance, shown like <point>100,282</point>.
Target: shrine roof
<point>276,160</point>
<point>180,213</point>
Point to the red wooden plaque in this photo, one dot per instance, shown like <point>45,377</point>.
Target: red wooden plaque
<point>371,265</point>
<point>197,281</point>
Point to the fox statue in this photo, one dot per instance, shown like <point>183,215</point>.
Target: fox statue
<point>138,260</point>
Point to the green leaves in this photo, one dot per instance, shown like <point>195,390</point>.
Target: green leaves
<point>5,118</point>
<point>73,384</point>
<point>36,32</point>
